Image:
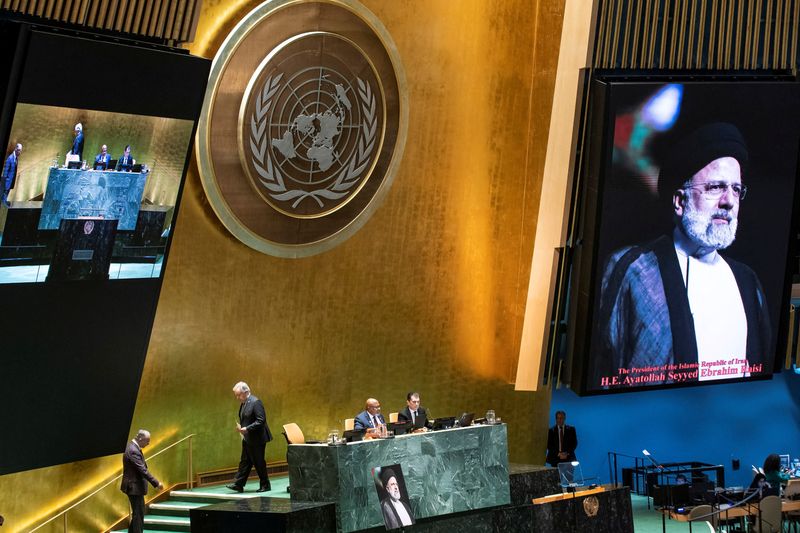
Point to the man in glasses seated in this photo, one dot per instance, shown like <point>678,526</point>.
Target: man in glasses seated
<point>675,306</point>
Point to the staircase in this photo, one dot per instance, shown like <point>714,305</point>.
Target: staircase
<point>173,514</point>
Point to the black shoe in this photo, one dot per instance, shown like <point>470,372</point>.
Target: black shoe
<point>264,488</point>
<point>235,488</point>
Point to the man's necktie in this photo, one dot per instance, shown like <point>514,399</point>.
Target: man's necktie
<point>413,417</point>
<point>560,438</point>
<point>374,421</point>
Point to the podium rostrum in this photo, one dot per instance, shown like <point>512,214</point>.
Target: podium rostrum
<point>83,249</point>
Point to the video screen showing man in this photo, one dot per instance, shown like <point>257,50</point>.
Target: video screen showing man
<point>688,303</point>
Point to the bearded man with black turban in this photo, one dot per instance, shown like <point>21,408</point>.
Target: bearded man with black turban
<point>677,301</point>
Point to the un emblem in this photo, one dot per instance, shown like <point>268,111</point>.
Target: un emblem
<point>310,134</point>
<point>320,116</point>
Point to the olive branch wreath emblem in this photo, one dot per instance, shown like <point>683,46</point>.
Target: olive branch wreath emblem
<point>270,174</point>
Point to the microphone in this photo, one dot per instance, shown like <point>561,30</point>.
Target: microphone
<point>652,460</point>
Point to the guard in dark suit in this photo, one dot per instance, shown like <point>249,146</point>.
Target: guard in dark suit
<point>135,477</point>
<point>9,177</point>
<point>370,417</point>
<point>413,412</point>
<point>562,440</point>
<point>255,434</point>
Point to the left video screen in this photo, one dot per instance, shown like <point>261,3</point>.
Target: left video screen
<point>88,194</point>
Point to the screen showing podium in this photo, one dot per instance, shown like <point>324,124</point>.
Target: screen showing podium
<point>149,156</point>
<point>83,246</point>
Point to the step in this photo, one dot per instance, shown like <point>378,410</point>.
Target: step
<point>167,523</point>
<point>209,497</point>
<point>174,508</point>
<point>145,530</point>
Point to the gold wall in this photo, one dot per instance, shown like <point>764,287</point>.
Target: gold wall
<point>428,295</point>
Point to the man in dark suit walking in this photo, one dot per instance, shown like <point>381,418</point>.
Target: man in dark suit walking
<point>135,477</point>
<point>9,177</point>
<point>414,412</point>
<point>255,434</point>
<point>561,441</point>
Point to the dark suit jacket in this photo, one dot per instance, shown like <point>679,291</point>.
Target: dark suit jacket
<point>124,164</point>
<point>422,417</point>
<point>134,472</point>
<point>364,421</point>
<point>390,516</point>
<point>10,171</point>
<point>77,145</point>
<point>568,445</point>
<point>253,417</point>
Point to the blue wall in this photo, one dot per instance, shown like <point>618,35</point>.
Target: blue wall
<point>711,424</point>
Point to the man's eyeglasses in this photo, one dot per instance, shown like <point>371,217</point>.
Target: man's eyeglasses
<point>715,189</point>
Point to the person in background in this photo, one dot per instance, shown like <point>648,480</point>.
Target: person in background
<point>101,160</point>
<point>77,142</point>
<point>126,161</point>
<point>370,417</point>
<point>562,440</point>
<point>413,412</point>
<point>9,178</point>
<point>773,473</point>
<point>135,477</point>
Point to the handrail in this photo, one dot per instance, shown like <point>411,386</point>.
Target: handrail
<point>74,505</point>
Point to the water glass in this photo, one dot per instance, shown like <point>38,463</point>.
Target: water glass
<point>490,417</point>
<point>333,436</point>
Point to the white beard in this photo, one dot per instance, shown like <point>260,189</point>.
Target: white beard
<point>701,229</point>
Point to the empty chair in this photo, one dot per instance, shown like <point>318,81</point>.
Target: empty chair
<point>393,417</point>
<point>702,513</point>
<point>293,434</point>
<point>349,424</point>
<point>769,519</point>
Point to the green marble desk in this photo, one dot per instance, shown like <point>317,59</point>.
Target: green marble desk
<point>107,194</point>
<point>446,472</point>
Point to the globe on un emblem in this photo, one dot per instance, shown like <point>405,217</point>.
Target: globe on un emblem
<point>311,124</point>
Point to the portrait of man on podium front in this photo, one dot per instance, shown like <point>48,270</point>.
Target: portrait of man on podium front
<point>391,488</point>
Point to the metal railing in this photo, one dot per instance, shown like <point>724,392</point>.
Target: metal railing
<point>63,514</point>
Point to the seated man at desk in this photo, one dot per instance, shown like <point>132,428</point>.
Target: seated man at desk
<point>370,417</point>
<point>126,161</point>
<point>414,412</point>
<point>101,160</point>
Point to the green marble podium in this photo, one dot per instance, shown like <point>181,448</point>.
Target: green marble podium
<point>445,472</point>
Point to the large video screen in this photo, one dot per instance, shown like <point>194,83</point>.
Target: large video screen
<point>86,222</point>
<point>693,222</point>
<point>90,194</point>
